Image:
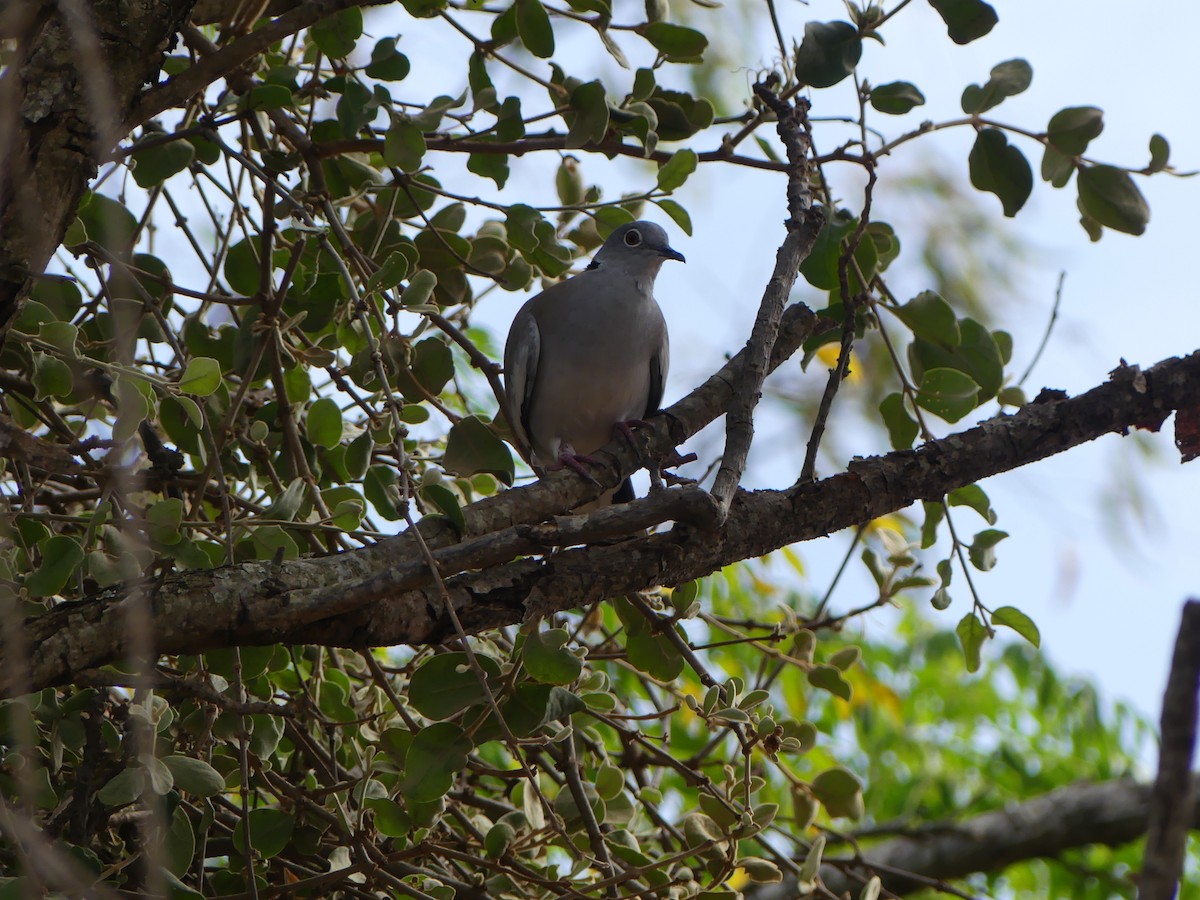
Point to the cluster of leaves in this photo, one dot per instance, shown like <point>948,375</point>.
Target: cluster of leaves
<point>301,371</point>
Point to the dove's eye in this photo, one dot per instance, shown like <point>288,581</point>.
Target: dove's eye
<point>633,238</point>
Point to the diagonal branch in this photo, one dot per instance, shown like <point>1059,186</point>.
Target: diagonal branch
<point>266,603</point>
<point>803,226</point>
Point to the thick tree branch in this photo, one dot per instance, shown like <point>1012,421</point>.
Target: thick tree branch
<point>53,130</point>
<point>1173,799</point>
<point>1110,813</point>
<point>264,603</point>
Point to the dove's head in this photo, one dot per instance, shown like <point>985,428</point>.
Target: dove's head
<point>636,246</point>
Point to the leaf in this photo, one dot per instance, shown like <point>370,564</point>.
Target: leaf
<point>123,788</point>
<point>930,317</point>
<point>270,831</point>
<point>391,819</point>
<point>947,393</point>
<point>1108,195</point>
<point>404,146</point>
<point>61,557</point>
<point>588,121</point>
<point>158,162</point>
<point>195,775</point>
<point>973,496</point>
<point>446,684</point>
<point>1160,153</point>
<point>419,290</point>
<point>390,274</point>
<point>472,447</point>
<point>896,98</point>
<point>323,423</point>
<point>387,63</point>
<point>971,635</point>
<point>1057,167</point>
<point>1000,169</point>
<point>1013,618</point>
<point>51,376</point>
<point>982,551</point>
<point>534,28</point>
<point>1073,128</point>
<point>675,171</point>
<point>676,42</point>
<point>437,754</point>
<point>1007,79</point>
<point>201,377</point>
<point>337,34</point>
<point>548,659</point>
<point>828,53</point>
<point>978,355</point>
<point>902,429</point>
<point>678,214</point>
<point>840,792</point>
<point>966,20</point>
<point>829,678</point>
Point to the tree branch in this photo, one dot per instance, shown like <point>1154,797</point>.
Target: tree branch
<point>1173,799</point>
<point>1110,813</point>
<point>265,603</point>
<point>51,133</point>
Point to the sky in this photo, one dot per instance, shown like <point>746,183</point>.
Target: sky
<point>1105,588</point>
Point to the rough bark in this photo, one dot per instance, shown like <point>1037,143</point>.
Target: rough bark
<point>381,596</point>
<point>1110,813</point>
<point>76,72</point>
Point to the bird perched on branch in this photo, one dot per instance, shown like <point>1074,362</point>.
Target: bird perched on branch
<point>589,355</point>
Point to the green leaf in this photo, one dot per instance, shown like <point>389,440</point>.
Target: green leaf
<point>391,819</point>
<point>490,165</point>
<point>180,847</point>
<point>676,42</point>
<point>947,393</point>
<point>902,429</point>
<point>675,171</point>
<point>268,96</point>
<point>1057,167</point>
<point>1160,153</point>
<point>678,214</point>
<point>337,34</point>
<point>51,376</point>
<point>828,53</point>
<point>107,222</point>
<point>472,447</point>
<point>982,551</point>
<point>829,678</point>
<point>588,120</point>
<point>437,754</point>
<point>419,290</point>
<point>966,20</point>
<point>1000,169</point>
<point>123,788</point>
<point>1007,79</point>
<point>195,775</point>
<point>323,424</point>
<point>1073,128</point>
<point>387,63</point>
<point>61,557</point>
<point>896,98</point>
<point>1108,195</point>
<point>404,146</point>
<point>163,519</point>
<point>971,634</point>
<point>446,684</point>
<point>423,9</point>
<point>390,274</point>
<point>548,658</point>
<point>840,792</point>
<point>446,502</point>
<point>156,163</point>
<point>934,514</point>
<point>534,28</point>
<point>431,366</point>
<point>1013,618</point>
<point>973,496</point>
<point>930,317</point>
<point>270,831</point>
<point>201,377</point>
<point>978,355</point>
